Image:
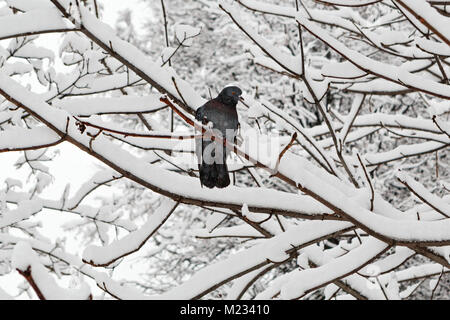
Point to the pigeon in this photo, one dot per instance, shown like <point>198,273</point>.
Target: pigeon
<point>220,115</point>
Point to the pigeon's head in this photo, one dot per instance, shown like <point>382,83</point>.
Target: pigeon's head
<point>230,95</point>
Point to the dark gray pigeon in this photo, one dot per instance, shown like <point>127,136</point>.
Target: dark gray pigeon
<point>211,155</point>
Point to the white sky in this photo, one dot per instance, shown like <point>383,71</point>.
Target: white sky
<point>71,165</point>
<point>140,9</point>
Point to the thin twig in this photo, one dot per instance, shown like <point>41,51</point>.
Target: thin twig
<point>372,198</point>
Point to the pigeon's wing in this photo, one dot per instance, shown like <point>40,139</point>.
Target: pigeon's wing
<point>200,143</point>
<point>222,116</point>
<point>225,120</point>
<point>199,113</point>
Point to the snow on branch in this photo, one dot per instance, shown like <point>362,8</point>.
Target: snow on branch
<point>33,22</point>
<point>103,256</point>
<point>379,69</point>
<point>27,263</point>
<point>134,59</point>
<point>339,173</point>
<point>292,64</point>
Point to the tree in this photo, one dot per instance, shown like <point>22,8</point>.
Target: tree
<point>347,103</point>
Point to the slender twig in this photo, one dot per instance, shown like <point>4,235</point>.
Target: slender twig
<point>372,198</point>
<point>422,198</point>
<point>382,288</point>
<point>434,118</point>
<point>319,106</point>
<point>286,148</point>
<point>437,284</point>
<point>166,33</point>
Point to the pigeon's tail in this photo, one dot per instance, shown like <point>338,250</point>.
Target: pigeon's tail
<point>223,178</point>
<point>214,175</point>
<point>208,175</point>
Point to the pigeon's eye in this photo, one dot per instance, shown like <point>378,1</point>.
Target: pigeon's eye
<point>233,92</point>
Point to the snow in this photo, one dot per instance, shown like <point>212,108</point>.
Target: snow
<point>407,231</point>
<point>33,21</point>
<point>86,211</point>
<point>269,227</point>
<point>356,105</point>
<point>319,257</point>
<point>214,220</point>
<point>300,282</point>
<point>241,231</point>
<point>33,51</point>
<point>360,284</point>
<point>438,108</point>
<point>290,63</point>
<point>93,84</point>
<point>241,283</point>
<point>438,48</point>
<point>27,5</point>
<point>101,278</point>
<point>403,151</point>
<point>335,17</point>
<point>391,37</point>
<point>414,21</point>
<point>16,138</point>
<point>74,42</point>
<point>4,295</point>
<point>11,183</point>
<point>132,242</point>
<point>330,290</point>
<point>426,12</point>
<point>24,210</point>
<point>389,263</point>
<point>376,86</point>
<point>124,104</point>
<point>146,143</point>
<point>167,53</point>
<point>24,258</point>
<point>432,200</point>
<point>151,69</point>
<point>255,257</point>
<point>97,180</point>
<point>273,289</point>
<point>16,68</point>
<point>344,70</point>
<point>389,72</point>
<point>420,271</point>
<point>268,8</point>
<point>349,3</point>
<point>303,136</point>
